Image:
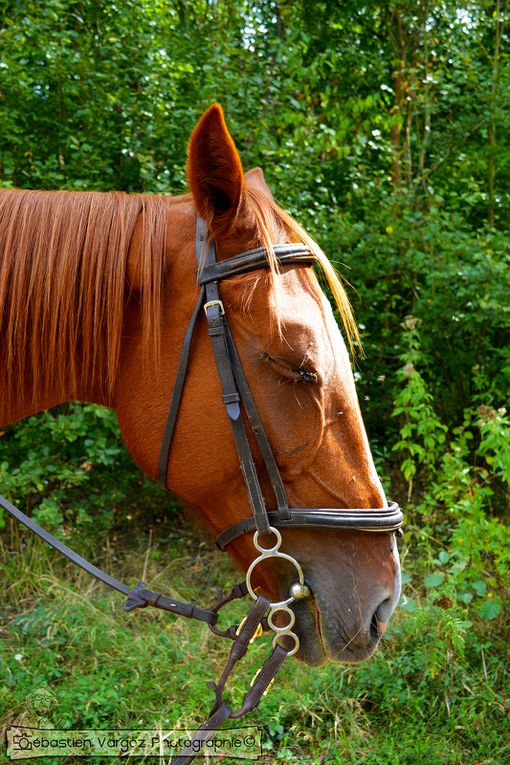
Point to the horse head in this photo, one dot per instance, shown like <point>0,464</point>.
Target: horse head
<point>299,373</point>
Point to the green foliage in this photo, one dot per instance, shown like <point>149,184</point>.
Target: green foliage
<point>495,441</point>
<point>71,467</point>
<point>458,498</point>
<point>422,435</point>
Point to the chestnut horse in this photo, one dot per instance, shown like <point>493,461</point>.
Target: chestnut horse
<point>96,291</point>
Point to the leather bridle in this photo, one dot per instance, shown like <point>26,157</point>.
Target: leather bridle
<point>236,396</point>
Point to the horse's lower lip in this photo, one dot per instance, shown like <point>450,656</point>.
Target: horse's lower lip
<point>319,646</point>
<point>312,649</point>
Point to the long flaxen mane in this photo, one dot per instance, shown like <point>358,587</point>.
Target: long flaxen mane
<point>266,212</point>
<point>63,261</point>
<point>63,283</point>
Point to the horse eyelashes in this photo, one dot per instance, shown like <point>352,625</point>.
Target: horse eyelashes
<point>300,375</point>
<point>307,375</point>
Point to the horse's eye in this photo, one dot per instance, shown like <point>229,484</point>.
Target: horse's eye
<point>302,374</point>
<point>307,375</point>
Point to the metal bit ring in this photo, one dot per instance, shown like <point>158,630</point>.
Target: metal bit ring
<point>272,552</point>
<point>294,638</point>
<point>275,547</point>
<point>286,610</point>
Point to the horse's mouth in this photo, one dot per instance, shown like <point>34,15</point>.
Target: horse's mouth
<point>323,640</point>
<point>344,617</point>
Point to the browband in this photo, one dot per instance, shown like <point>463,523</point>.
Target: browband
<point>251,260</point>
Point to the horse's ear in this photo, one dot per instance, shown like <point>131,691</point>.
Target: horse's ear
<point>215,172</point>
<point>255,180</point>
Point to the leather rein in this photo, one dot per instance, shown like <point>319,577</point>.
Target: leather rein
<point>264,614</point>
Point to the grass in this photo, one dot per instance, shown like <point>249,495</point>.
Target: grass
<point>435,692</point>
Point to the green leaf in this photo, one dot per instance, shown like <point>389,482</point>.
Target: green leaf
<point>489,609</point>
<point>480,588</point>
<point>433,580</point>
<point>408,604</point>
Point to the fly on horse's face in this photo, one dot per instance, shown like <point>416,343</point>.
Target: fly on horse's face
<point>298,369</point>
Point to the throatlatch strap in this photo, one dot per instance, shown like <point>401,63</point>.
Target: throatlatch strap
<point>202,249</point>
<point>180,379</point>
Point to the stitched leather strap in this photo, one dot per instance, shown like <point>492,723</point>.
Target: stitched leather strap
<point>141,597</point>
<point>251,700</point>
<point>180,379</point>
<point>262,681</point>
<point>63,549</point>
<point>202,736</point>
<point>245,633</point>
<point>251,260</point>
<point>258,429</point>
<point>374,520</point>
<point>232,400</point>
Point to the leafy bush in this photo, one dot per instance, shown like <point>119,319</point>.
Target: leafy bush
<point>385,129</point>
<point>70,468</point>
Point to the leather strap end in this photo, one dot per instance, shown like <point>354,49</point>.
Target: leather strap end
<point>233,411</point>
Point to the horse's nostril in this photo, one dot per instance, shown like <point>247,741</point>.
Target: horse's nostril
<point>384,610</point>
<point>380,617</point>
<point>375,632</point>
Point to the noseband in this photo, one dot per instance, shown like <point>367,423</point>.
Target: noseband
<point>236,394</point>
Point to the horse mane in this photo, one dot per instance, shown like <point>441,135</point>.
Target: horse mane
<point>266,211</point>
<point>63,282</point>
<point>63,285</point>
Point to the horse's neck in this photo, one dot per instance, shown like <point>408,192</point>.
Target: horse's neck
<point>63,260</point>
<point>21,409</point>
